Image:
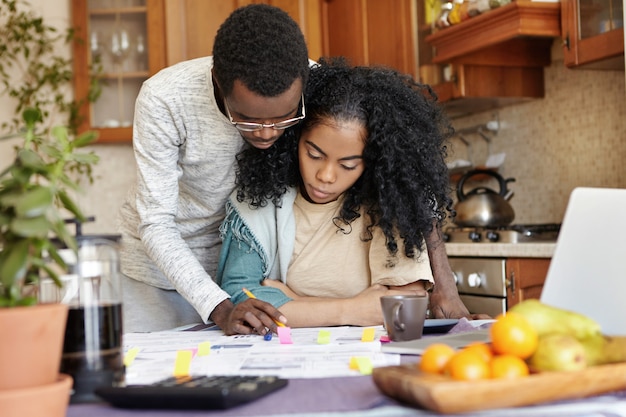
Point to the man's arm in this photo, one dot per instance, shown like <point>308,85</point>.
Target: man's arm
<point>444,300</point>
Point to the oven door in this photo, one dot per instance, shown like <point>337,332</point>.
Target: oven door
<point>477,304</point>
<point>480,276</point>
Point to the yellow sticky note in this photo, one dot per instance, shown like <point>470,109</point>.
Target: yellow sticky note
<point>204,348</point>
<point>183,362</point>
<point>130,356</point>
<point>353,363</point>
<point>368,335</point>
<point>323,337</point>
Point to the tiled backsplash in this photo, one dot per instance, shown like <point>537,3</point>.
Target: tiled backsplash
<point>575,136</point>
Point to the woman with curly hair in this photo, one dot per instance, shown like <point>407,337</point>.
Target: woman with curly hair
<point>338,213</point>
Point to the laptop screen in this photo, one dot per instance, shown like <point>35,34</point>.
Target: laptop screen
<point>587,273</point>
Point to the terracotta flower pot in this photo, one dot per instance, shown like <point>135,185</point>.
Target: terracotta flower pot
<point>32,345</point>
<point>49,400</point>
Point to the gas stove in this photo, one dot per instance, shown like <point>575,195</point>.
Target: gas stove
<point>529,233</point>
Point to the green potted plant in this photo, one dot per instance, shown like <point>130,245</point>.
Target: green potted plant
<point>36,193</point>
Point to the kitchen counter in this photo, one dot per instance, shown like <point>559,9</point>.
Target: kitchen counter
<point>502,250</point>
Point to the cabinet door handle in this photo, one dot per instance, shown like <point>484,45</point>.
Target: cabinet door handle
<point>511,282</point>
<point>566,41</point>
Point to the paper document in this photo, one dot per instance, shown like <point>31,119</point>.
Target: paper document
<point>157,355</point>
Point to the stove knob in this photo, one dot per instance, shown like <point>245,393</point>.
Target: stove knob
<point>474,280</point>
<point>493,236</point>
<point>474,236</point>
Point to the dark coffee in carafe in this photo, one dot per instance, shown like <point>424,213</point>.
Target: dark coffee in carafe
<point>92,349</point>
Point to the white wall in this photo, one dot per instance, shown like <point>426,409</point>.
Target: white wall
<point>115,172</point>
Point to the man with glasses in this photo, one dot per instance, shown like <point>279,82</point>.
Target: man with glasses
<point>191,120</point>
<point>255,127</point>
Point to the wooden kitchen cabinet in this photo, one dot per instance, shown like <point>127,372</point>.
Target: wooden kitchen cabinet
<point>494,59</point>
<point>593,34</point>
<point>126,37</point>
<point>477,88</point>
<point>525,278</point>
<point>371,32</point>
<point>191,25</point>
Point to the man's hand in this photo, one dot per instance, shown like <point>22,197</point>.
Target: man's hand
<point>445,303</point>
<point>249,316</point>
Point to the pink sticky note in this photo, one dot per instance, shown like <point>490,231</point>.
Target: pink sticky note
<point>284,335</point>
<point>384,339</point>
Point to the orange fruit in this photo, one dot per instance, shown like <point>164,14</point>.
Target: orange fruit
<point>435,357</point>
<point>467,365</point>
<point>508,367</point>
<point>483,349</point>
<point>512,334</point>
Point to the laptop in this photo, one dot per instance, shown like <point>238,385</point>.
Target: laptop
<point>587,273</point>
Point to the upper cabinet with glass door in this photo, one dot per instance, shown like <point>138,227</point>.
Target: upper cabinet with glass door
<point>593,33</point>
<point>126,40</point>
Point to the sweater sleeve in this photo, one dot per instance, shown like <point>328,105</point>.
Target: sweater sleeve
<point>156,142</point>
<point>241,265</point>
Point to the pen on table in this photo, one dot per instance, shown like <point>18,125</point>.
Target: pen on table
<point>249,294</point>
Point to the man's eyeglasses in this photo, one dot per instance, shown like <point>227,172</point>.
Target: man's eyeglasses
<point>255,127</point>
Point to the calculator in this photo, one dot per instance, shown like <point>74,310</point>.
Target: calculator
<point>193,392</point>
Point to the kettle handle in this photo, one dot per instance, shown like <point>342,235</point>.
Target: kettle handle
<point>501,181</point>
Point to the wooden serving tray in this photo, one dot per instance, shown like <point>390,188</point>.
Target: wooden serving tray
<point>444,395</point>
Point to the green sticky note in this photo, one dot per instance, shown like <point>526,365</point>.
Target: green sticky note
<point>204,348</point>
<point>323,337</point>
<point>130,356</point>
<point>364,364</point>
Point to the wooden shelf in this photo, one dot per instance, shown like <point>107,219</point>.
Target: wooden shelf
<point>521,18</point>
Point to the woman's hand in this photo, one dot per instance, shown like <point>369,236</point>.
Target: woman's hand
<point>364,309</point>
<point>274,283</point>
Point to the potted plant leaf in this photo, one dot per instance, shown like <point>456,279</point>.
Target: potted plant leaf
<point>36,193</point>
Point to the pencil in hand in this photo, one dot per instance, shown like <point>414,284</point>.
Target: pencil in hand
<point>250,295</point>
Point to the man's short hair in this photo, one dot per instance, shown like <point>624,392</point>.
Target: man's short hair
<point>261,46</point>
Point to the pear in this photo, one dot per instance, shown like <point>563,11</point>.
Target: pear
<point>558,352</point>
<point>601,349</point>
<point>547,319</point>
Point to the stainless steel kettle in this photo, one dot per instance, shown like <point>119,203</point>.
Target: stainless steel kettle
<point>482,206</point>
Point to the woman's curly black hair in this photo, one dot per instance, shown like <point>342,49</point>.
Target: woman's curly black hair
<point>261,46</point>
<point>405,186</point>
